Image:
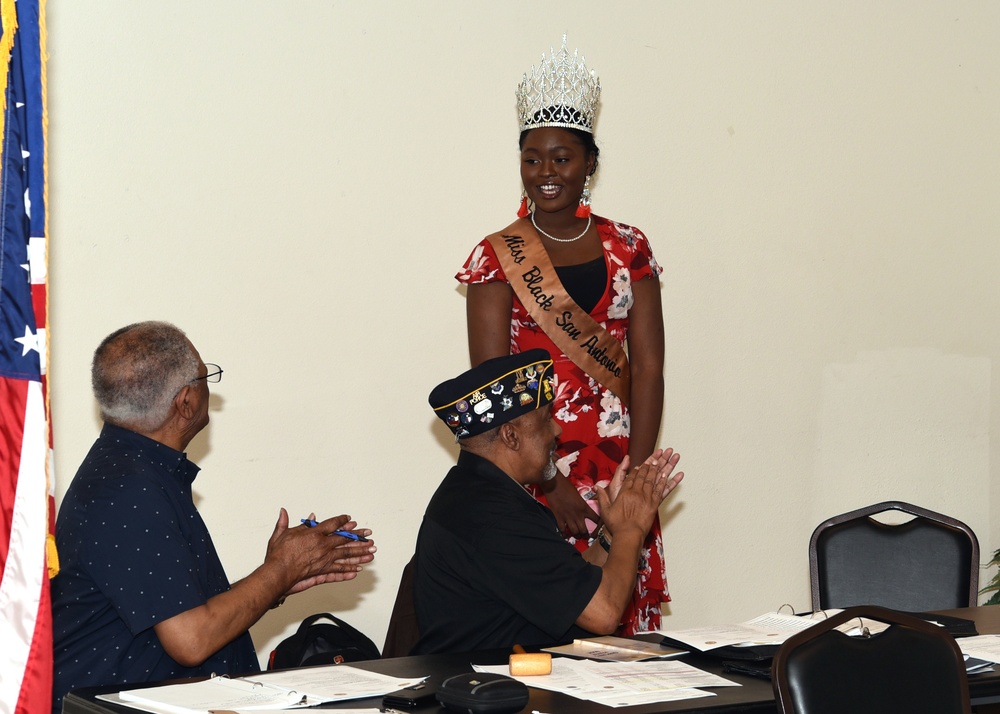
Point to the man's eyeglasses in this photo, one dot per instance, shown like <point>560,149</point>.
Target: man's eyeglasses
<point>214,373</point>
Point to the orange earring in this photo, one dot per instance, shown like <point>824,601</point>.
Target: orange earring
<point>522,211</point>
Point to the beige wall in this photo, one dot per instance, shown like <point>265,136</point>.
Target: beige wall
<point>296,183</point>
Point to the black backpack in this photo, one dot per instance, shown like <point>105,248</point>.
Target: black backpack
<point>322,643</point>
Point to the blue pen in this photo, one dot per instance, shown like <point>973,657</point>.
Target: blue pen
<point>346,534</point>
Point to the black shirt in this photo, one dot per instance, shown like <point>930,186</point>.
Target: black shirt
<point>585,283</point>
<point>492,569</point>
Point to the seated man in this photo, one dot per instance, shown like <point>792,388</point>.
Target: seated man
<point>142,595</point>
<point>491,566</point>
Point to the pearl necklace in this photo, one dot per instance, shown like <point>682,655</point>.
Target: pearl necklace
<point>559,240</point>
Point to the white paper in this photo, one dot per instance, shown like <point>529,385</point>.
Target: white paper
<point>771,628</point>
<point>116,699</point>
<point>633,699</point>
<point>285,711</point>
<point>660,675</point>
<point>615,649</point>
<point>336,682</point>
<point>269,691</point>
<point>566,677</point>
<point>981,646</point>
<point>621,683</point>
<point>215,693</point>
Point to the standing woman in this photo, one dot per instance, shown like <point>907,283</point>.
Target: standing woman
<point>581,287</point>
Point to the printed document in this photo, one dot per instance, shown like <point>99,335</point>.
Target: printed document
<point>771,628</point>
<point>615,649</point>
<point>617,684</point>
<point>286,689</point>
<point>981,646</point>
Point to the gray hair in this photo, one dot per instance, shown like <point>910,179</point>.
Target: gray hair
<point>137,372</point>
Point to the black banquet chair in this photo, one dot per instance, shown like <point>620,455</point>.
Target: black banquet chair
<point>928,563</point>
<point>913,667</point>
<point>403,632</point>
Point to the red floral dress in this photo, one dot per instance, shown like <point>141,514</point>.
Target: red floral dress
<point>595,423</point>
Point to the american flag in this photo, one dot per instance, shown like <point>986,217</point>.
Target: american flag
<point>27,558</point>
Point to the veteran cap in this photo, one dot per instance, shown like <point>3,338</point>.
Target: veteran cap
<point>495,392</point>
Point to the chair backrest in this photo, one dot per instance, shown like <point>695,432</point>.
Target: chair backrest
<point>913,667</point>
<point>928,563</point>
<point>403,631</point>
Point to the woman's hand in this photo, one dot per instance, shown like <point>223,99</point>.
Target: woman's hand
<point>569,508</point>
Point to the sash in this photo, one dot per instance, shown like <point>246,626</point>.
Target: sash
<point>533,279</point>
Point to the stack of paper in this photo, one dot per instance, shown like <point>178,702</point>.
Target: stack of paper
<point>287,689</point>
<point>621,684</point>
<point>772,628</point>
<point>615,649</point>
<point>985,647</point>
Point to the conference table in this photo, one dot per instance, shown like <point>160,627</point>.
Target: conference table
<point>753,696</point>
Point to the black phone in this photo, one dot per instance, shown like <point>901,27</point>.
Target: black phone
<point>416,696</point>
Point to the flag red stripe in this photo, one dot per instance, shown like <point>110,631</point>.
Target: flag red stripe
<point>36,691</point>
<point>13,401</point>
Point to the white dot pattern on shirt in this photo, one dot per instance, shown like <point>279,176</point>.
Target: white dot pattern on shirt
<point>133,539</point>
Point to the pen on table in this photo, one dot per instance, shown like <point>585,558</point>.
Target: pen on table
<point>346,534</point>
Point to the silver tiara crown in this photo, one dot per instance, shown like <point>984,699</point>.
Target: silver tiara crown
<point>561,92</point>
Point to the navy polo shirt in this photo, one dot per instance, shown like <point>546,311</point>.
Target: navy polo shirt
<point>492,569</point>
<point>133,552</point>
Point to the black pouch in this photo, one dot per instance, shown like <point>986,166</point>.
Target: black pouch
<point>754,660</point>
<point>752,653</point>
<point>955,626</point>
<point>476,693</point>
<point>318,642</point>
<point>418,695</point>
<point>761,670</point>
